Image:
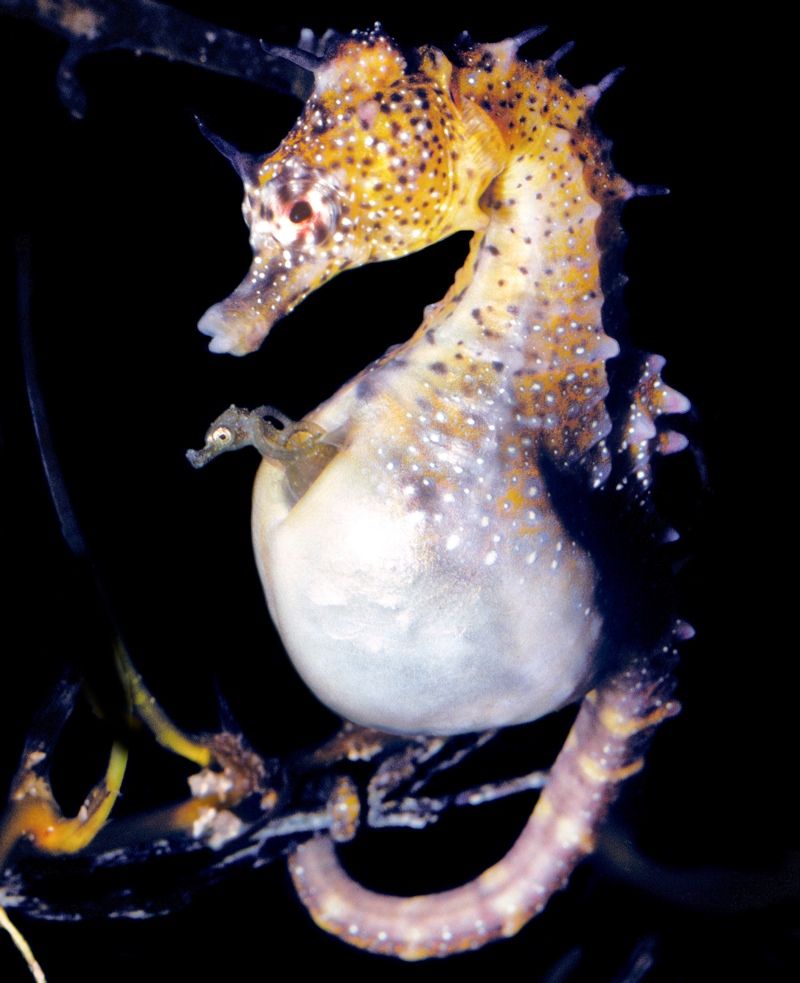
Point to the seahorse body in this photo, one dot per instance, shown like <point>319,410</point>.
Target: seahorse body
<point>428,581</point>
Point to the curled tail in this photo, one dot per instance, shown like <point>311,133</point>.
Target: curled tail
<point>605,746</point>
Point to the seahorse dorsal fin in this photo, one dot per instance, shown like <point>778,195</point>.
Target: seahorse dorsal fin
<point>485,155</point>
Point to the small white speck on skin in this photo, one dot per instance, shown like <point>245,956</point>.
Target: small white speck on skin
<point>453,541</point>
<point>490,558</point>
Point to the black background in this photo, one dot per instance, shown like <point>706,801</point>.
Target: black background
<point>132,227</point>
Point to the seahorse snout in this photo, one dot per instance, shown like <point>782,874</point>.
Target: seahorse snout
<point>230,330</point>
<point>213,324</point>
<point>239,324</point>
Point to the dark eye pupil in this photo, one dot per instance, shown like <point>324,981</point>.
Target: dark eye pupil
<point>301,210</point>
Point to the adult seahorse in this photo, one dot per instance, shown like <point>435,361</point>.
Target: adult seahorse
<point>434,540</point>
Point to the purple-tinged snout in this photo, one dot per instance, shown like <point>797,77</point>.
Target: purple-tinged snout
<point>238,324</point>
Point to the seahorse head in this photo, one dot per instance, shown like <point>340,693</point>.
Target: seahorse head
<point>383,161</point>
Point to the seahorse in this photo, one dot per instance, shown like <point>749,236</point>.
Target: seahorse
<point>453,541</point>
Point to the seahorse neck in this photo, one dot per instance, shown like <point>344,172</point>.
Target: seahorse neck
<point>522,323</point>
<point>529,293</point>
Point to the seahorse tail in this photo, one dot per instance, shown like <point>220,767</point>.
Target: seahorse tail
<point>604,747</point>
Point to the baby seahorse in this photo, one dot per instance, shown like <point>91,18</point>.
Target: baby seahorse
<point>438,568</point>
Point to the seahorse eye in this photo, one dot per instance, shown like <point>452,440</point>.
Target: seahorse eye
<point>301,210</point>
<point>298,209</point>
<point>221,435</point>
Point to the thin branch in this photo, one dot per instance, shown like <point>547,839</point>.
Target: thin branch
<point>146,27</point>
<point>21,943</point>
